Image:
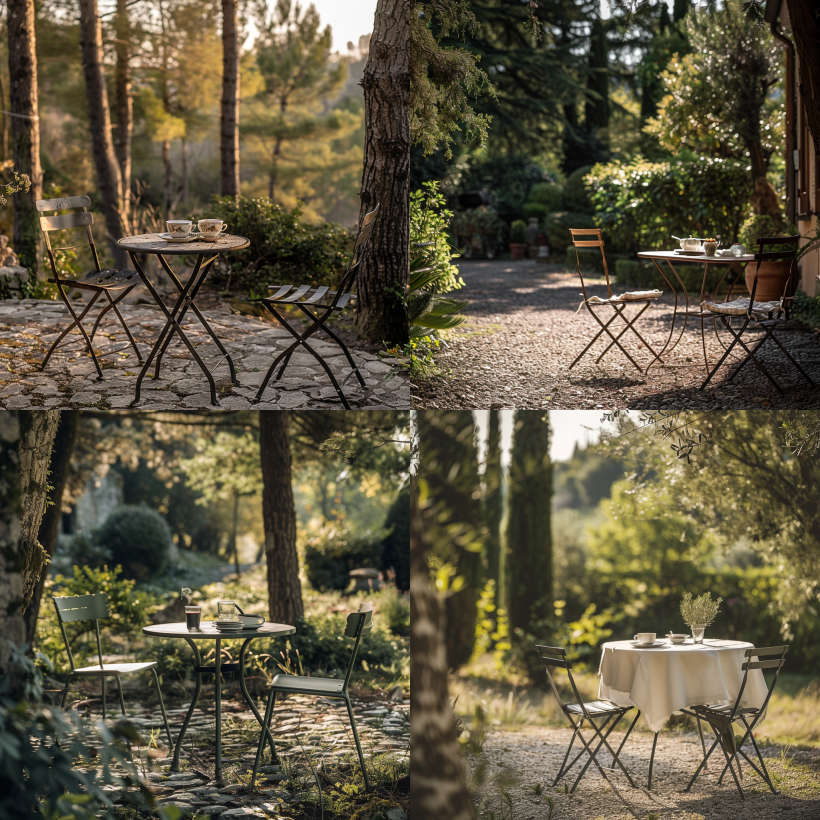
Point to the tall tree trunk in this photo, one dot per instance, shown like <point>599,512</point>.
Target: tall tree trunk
<point>277,148</point>
<point>439,783</point>
<point>529,535</point>
<point>279,518</point>
<point>449,463</point>
<point>61,454</point>
<point>381,315</point>
<point>168,194</point>
<point>229,128</point>
<point>125,108</point>
<point>102,144</point>
<point>25,130</point>
<point>5,120</point>
<point>184,169</point>
<point>805,23</point>
<point>494,501</point>
<point>234,527</point>
<point>26,438</point>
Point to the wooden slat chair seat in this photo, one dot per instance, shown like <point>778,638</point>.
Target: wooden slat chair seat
<point>554,657</point>
<point>73,608</point>
<point>766,316</point>
<point>617,302</point>
<point>318,304</point>
<point>722,717</point>
<point>357,624</point>
<point>100,281</point>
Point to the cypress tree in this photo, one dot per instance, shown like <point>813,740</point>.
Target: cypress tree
<point>493,499</point>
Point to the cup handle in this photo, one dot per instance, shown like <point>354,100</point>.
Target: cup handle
<point>634,637</point>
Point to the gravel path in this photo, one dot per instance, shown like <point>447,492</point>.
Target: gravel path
<point>29,326</point>
<point>521,759</point>
<point>522,332</point>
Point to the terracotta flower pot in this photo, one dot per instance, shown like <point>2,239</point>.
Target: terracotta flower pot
<point>518,249</point>
<point>771,280</point>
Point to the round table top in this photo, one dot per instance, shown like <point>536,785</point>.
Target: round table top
<point>665,645</point>
<point>151,243</point>
<point>701,257</point>
<point>208,631</point>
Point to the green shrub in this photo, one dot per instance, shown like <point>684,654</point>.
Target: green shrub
<point>282,248</point>
<point>807,308</point>
<point>394,608</point>
<point>557,225</point>
<point>641,204</point>
<point>576,192</point>
<point>537,210</point>
<point>395,555</point>
<point>510,178</point>
<point>758,225</point>
<point>328,563</point>
<point>482,221</point>
<point>548,194</point>
<point>518,231</point>
<point>174,659</point>
<point>589,259</point>
<point>138,538</point>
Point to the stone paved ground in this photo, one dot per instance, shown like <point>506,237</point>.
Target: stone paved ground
<point>28,327</point>
<point>308,732</point>
<point>522,333</point>
<point>521,760</point>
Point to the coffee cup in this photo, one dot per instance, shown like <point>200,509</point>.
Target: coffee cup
<point>677,637</point>
<point>252,620</point>
<point>179,227</point>
<point>645,637</point>
<point>210,228</point>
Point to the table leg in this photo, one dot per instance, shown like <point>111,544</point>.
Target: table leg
<point>194,701</point>
<point>248,700</point>
<point>652,761</point>
<point>218,673</point>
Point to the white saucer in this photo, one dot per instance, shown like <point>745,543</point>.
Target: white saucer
<point>639,645</point>
<point>170,237</point>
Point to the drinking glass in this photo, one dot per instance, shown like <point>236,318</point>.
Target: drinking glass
<point>697,633</point>
<point>193,614</point>
<point>227,611</point>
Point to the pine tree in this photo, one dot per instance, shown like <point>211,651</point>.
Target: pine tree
<point>529,536</point>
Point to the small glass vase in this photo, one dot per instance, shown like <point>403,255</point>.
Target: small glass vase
<point>697,633</point>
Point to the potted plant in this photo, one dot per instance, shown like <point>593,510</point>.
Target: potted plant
<point>699,613</point>
<point>518,232</point>
<point>773,276</point>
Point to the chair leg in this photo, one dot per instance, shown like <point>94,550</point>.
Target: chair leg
<point>626,737</point>
<point>358,745</point>
<point>702,742</point>
<point>340,343</point>
<point>122,699</point>
<point>261,744</point>
<point>103,695</point>
<point>162,707</point>
<point>65,691</point>
<point>566,757</point>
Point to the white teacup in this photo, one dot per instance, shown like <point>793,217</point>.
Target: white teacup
<point>179,227</point>
<point>645,637</point>
<point>252,620</point>
<point>210,228</point>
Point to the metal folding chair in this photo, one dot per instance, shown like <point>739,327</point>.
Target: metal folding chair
<point>357,623</point>
<point>318,304</point>
<point>73,608</point>
<point>617,303</point>
<point>723,718</point>
<point>766,316</point>
<point>555,656</point>
<point>99,281</point>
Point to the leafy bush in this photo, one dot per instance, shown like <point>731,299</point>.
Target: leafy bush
<point>394,608</point>
<point>518,231</point>
<point>758,225</point>
<point>138,538</point>
<point>328,563</point>
<point>282,248</point>
<point>557,225</point>
<point>545,198</point>
<point>641,204</point>
<point>395,555</point>
<point>510,178</point>
<point>576,194</point>
<point>173,659</point>
<point>481,221</point>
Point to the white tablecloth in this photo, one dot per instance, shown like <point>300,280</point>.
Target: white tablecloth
<point>663,680</point>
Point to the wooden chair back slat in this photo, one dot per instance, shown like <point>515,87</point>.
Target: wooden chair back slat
<point>588,243</point>
<point>551,650</point>
<point>82,607</point>
<point>65,222</point>
<point>357,623</point>
<point>63,203</point>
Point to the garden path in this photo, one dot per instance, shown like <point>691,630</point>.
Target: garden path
<point>29,326</point>
<point>525,758</point>
<point>308,732</point>
<point>523,331</point>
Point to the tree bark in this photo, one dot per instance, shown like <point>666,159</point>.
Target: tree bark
<point>805,23</point>
<point>125,108</point>
<point>279,518</point>
<point>494,502</point>
<point>229,127</point>
<point>439,783</point>
<point>184,169</point>
<point>234,527</point>
<point>381,315</point>
<point>25,130</point>
<point>167,196</point>
<point>529,535</point>
<point>61,453</point>
<point>99,116</point>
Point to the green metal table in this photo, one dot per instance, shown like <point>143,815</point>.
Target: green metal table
<point>209,632</point>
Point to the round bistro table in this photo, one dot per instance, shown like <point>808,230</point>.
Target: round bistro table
<point>209,632</point>
<point>667,677</point>
<point>150,243</point>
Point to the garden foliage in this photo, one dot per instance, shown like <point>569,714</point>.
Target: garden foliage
<point>328,562</point>
<point>137,538</point>
<point>640,204</point>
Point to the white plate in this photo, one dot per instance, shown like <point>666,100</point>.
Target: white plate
<point>640,645</point>
<point>169,237</point>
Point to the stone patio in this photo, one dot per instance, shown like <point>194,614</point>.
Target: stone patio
<point>29,326</point>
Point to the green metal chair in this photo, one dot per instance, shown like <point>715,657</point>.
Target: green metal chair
<point>357,623</point>
<point>74,608</point>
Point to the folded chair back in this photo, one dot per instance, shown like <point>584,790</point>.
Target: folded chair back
<point>79,218</point>
<point>777,657</point>
<point>72,608</point>
<point>784,249</point>
<point>357,623</point>
<point>554,657</point>
<point>349,279</point>
<point>597,242</point>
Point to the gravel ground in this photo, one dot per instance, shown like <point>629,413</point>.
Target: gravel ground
<point>532,756</point>
<point>522,332</point>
